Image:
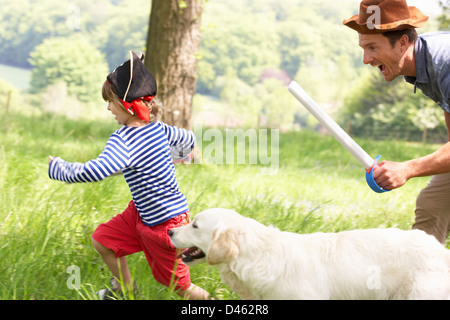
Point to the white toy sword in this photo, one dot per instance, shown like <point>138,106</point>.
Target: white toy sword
<point>347,142</point>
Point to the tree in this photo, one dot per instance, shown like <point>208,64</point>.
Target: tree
<point>116,34</point>
<point>23,28</point>
<point>173,43</point>
<point>73,61</point>
<point>376,108</point>
<point>428,117</point>
<point>244,43</point>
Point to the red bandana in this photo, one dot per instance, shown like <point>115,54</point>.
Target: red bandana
<point>138,107</point>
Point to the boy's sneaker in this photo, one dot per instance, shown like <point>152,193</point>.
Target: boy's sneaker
<point>110,294</point>
<point>115,293</point>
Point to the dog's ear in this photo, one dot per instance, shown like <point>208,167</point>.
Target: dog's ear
<point>224,246</point>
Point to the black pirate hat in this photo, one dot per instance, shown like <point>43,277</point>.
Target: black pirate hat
<point>132,79</point>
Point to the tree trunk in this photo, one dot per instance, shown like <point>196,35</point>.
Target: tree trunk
<point>173,42</point>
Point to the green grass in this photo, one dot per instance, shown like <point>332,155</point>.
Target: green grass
<point>46,226</point>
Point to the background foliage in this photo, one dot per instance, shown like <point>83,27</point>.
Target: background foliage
<point>73,61</point>
<point>250,51</point>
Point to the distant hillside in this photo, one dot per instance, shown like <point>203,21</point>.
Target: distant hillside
<point>19,77</point>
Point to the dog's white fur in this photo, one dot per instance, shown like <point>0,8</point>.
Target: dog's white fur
<point>259,262</point>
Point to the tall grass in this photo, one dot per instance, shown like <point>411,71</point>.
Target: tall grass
<point>46,226</point>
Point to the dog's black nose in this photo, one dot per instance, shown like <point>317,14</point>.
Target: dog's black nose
<point>170,232</point>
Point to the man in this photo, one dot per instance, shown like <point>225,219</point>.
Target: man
<point>390,42</point>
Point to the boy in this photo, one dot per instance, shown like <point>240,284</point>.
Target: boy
<point>141,150</point>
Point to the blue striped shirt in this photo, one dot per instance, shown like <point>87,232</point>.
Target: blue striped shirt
<point>145,156</point>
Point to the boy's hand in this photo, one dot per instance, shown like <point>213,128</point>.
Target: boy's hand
<point>188,160</point>
<point>50,159</point>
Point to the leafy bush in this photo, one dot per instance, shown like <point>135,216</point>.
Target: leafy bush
<point>72,60</point>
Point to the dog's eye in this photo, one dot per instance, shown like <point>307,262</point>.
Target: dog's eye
<point>194,226</point>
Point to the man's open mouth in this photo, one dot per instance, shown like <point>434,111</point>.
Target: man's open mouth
<point>191,254</point>
<point>382,68</point>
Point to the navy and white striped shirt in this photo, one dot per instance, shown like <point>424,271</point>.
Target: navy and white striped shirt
<point>144,155</point>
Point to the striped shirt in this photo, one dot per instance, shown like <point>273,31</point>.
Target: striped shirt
<point>145,156</point>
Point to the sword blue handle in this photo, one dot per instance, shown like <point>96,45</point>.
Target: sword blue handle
<point>371,181</point>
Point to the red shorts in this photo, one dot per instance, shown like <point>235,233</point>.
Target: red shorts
<point>126,234</point>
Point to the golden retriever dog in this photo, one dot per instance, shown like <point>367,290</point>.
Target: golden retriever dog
<point>260,262</point>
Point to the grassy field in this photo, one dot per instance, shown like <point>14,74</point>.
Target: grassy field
<point>46,226</point>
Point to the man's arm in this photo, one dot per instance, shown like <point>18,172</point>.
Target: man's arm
<point>392,175</point>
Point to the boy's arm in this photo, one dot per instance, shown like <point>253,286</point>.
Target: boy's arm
<point>181,141</point>
<point>111,161</point>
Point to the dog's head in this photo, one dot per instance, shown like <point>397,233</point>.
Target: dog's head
<point>214,234</point>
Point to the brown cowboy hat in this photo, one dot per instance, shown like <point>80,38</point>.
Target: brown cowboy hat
<point>378,16</point>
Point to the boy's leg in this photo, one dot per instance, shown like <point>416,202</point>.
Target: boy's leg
<point>194,293</point>
<point>161,256</point>
<point>116,239</point>
<point>117,266</point>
